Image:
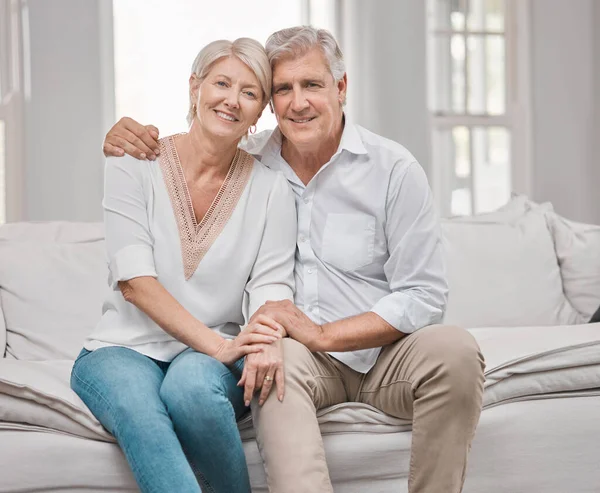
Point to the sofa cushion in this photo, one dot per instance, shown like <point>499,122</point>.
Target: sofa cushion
<point>52,232</point>
<point>578,251</point>
<point>576,245</point>
<point>504,273</point>
<point>53,280</point>
<point>2,332</point>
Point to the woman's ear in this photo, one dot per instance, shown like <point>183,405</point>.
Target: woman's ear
<point>194,85</point>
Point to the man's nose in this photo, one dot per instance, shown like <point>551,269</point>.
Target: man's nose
<point>299,101</point>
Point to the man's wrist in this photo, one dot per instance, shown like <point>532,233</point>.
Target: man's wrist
<point>319,344</point>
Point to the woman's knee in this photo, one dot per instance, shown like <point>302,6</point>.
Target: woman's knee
<point>193,385</point>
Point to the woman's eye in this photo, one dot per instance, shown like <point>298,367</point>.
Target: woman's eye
<point>250,94</point>
<point>222,83</point>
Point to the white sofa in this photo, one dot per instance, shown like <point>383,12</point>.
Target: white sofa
<point>523,280</point>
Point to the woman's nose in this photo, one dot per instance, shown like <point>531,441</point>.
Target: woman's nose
<point>232,99</point>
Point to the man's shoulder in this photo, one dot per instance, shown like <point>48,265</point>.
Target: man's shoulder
<point>378,146</point>
<point>255,144</point>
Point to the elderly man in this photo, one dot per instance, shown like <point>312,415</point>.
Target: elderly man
<point>370,283</point>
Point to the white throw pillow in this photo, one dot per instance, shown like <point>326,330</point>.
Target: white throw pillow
<point>51,292</point>
<point>578,250</point>
<point>503,271</point>
<point>2,332</point>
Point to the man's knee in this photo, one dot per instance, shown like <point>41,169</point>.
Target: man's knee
<point>456,352</point>
<point>296,357</point>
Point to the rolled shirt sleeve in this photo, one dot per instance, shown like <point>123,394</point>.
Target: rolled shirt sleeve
<point>272,276</point>
<point>129,242</point>
<point>415,267</point>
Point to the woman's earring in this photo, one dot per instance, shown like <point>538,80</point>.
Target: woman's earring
<point>194,108</point>
<point>252,129</point>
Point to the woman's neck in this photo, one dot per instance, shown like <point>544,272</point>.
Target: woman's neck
<point>205,156</point>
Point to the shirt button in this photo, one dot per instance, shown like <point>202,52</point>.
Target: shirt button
<point>311,308</point>
<point>302,239</point>
<point>310,271</point>
<point>306,200</point>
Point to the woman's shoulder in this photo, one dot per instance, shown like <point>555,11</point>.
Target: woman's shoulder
<point>263,173</point>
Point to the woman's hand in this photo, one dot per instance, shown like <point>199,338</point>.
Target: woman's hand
<point>255,337</point>
<point>261,370</point>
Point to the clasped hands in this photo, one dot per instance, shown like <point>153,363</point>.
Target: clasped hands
<point>265,366</point>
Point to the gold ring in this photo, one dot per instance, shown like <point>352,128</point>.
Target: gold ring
<point>268,378</point>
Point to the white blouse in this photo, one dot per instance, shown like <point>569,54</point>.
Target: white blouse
<point>221,270</point>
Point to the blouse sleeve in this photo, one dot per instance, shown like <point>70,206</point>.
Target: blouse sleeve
<point>272,276</point>
<point>129,242</point>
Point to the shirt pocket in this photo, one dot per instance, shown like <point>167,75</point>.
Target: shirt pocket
<point>348,240</point>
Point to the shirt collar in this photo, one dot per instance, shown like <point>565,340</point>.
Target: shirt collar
<point>351,140</point>
<point>269,145</point>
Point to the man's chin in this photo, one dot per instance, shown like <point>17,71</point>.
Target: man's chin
<point>298,134</point>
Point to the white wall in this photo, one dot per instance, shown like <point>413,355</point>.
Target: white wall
<point>64,117</point>
<point>384,44</point>
<point>565,106</point>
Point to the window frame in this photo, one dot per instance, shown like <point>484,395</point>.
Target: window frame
<point>517,116</point>
<point>16,89</point>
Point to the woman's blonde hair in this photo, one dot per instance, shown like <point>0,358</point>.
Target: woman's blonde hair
<point>248,50</point>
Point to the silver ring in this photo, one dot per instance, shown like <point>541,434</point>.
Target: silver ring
<point>268,378</point>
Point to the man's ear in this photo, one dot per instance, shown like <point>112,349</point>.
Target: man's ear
<point>342,86</point>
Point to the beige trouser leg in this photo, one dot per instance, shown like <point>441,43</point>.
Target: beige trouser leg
<point>434,376</point>
<point>287,432</point>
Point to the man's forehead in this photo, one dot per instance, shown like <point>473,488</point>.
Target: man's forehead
<point>310,64</point>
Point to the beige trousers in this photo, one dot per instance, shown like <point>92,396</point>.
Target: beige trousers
<point>434,376</point>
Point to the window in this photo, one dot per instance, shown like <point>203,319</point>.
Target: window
<point>478,108</point>
<point>13,89</point>
<point>155,46</point>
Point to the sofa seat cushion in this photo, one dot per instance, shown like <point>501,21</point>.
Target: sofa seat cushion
<point>521,363</point>
<point>535,361</point>
<point>504,273</point>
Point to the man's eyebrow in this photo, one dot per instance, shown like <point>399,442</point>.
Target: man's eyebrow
<point>280,85</point>
<point>303,82</point>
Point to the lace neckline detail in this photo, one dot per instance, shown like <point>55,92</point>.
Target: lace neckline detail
<point>197,238</point>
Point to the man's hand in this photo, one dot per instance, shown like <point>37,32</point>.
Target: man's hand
<point>129,136</point>
<point>257,336</point>
<point>297,325</point>
<point>261,370</point>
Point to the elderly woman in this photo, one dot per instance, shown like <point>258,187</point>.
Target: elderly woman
<point>195,246</point>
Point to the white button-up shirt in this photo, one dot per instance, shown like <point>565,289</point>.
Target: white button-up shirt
<point>368,236</point>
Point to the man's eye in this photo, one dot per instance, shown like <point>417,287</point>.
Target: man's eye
<point>222,83</point>
<point>282,90</point>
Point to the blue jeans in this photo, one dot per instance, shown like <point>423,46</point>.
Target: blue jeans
<point>174,421</point>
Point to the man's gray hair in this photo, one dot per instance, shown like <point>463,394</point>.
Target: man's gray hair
<point>297,41</point>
